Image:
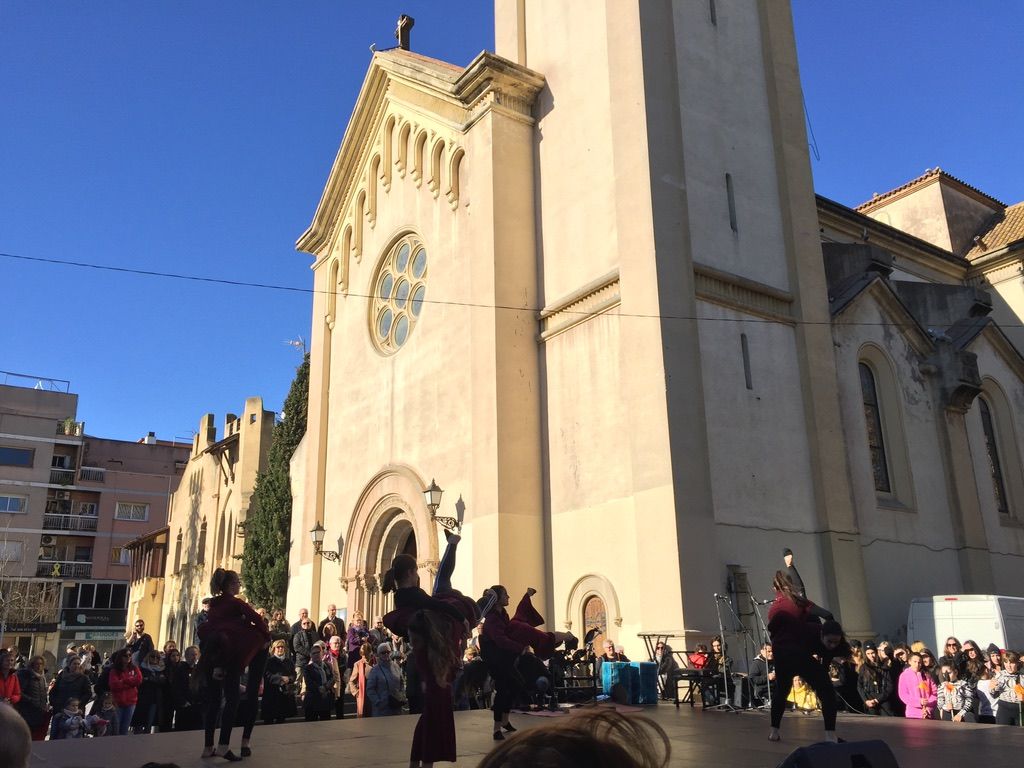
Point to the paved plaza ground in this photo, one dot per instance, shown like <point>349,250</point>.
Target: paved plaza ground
<point>699,740</point>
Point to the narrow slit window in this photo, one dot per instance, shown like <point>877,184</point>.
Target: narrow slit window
<point>732,202</point>
<point>714,12</point>
<point>995,467</point>
<point>745,349</point>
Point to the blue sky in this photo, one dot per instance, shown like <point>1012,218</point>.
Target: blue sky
<point>195,138</point>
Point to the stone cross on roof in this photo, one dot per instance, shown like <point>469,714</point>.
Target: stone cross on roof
<point>405,23</point>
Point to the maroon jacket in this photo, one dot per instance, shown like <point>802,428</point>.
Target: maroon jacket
<point>236,627</point>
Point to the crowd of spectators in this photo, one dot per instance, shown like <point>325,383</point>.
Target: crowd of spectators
<point>965,684</point>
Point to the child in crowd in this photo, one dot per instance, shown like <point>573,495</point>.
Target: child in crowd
<point>108,711</point>
<point>802,697</point>
<point>70,723</point>
<point>955,697</point>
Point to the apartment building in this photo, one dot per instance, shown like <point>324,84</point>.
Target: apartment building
<point>69,502</point>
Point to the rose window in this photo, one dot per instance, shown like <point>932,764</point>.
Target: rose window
<point>399,290</point>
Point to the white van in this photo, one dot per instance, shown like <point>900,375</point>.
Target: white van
<point>982,618</point>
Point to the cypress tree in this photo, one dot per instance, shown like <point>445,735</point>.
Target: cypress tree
<point>268,524</point>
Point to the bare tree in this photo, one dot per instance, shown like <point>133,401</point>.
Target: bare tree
<point>24,599</point>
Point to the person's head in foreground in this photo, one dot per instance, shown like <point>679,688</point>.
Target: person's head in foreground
<point>15,738</point>
<point>599,738</point>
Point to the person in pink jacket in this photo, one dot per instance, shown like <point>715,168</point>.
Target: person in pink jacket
<point>917,690</point>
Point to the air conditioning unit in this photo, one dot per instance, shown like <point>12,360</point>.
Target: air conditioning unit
<point>63,495</point>
<point>48,541</point>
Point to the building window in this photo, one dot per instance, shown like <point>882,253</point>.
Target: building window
<point>595,616</point>
<point>177,553</point>
<point>16,457</point>
<point>11,552</point>
<point>131,511</point>
<point>61,462</point>
<point>399,290</point>
<point>992,451</point>
<point>14,504</point>
<point>873,418</point>
<point>87,508</point>
<point>120,556</point>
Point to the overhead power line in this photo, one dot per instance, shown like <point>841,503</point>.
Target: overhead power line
<point>440,302</point>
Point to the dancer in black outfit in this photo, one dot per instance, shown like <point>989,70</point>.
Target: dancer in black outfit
<point>796,638</point>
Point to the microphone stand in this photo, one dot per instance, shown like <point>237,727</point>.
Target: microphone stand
<point>767,639</point>
<point>727,705</point>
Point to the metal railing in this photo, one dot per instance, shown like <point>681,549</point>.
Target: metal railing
<point>27,380</point>
<point>62,476</point>
<point>92,474</point>
<point>58,522</point>
<point>63,569</point>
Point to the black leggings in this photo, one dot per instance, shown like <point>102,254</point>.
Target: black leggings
<point>252,692</point>
<point>445,569</point>
<point>225,689</point>
<point>787,666</point>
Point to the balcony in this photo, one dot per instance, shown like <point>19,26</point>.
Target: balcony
<point>62,476</point>
<point>67,522</point>
<point>71,428</point>
<point>92,474</point>
<point>63,569</point>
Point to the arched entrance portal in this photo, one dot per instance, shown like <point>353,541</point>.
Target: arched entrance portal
<point>390,518</point>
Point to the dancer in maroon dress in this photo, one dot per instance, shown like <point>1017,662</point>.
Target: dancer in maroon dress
<point>503,640</point>
<point>437,628</point>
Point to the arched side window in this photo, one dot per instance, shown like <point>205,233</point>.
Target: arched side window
<point>201,545</point>
<point>882,404</point>
<point>595,616</point>
<point>876,433</point>
<point>177,552</point>
<point>992,452</point>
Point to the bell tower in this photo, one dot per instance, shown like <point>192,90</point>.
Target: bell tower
<point>674,198</point>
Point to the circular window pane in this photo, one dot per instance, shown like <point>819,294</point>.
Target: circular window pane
<point>398,294</point>
<point>401,330</point>
<point>401,293</point>
<point>402,260</point>
<point>419,263</point>
<point>417,300</point>
<point>384,323</point>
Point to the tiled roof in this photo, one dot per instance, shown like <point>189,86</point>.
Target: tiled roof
<point>927,176</point>
<point>1003,228</point>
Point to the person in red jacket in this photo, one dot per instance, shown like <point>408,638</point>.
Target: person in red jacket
<point>10,688</point>
<point>125,679</point>
<point>234,636</point>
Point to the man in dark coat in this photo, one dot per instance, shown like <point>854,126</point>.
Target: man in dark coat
<point>762,675</point>
<point>139,642</point>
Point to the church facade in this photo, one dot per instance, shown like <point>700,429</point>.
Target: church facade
<point>584,283</point>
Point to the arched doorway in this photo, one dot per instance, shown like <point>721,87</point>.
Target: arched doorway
<point>390,518</point>
<point>595,616</point>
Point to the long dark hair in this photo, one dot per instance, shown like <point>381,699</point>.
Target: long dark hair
<point>782,584</point>
<point>401,567</point>
<point>432,631</point>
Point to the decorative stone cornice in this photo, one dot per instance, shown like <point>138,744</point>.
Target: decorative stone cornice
<point>593,299</point>
<point>736,292</point>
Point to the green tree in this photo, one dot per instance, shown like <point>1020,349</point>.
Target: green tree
<point>268,524</point>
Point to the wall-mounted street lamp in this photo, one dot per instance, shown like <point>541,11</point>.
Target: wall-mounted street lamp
<point>317,534</point>
<point>432,496</point>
